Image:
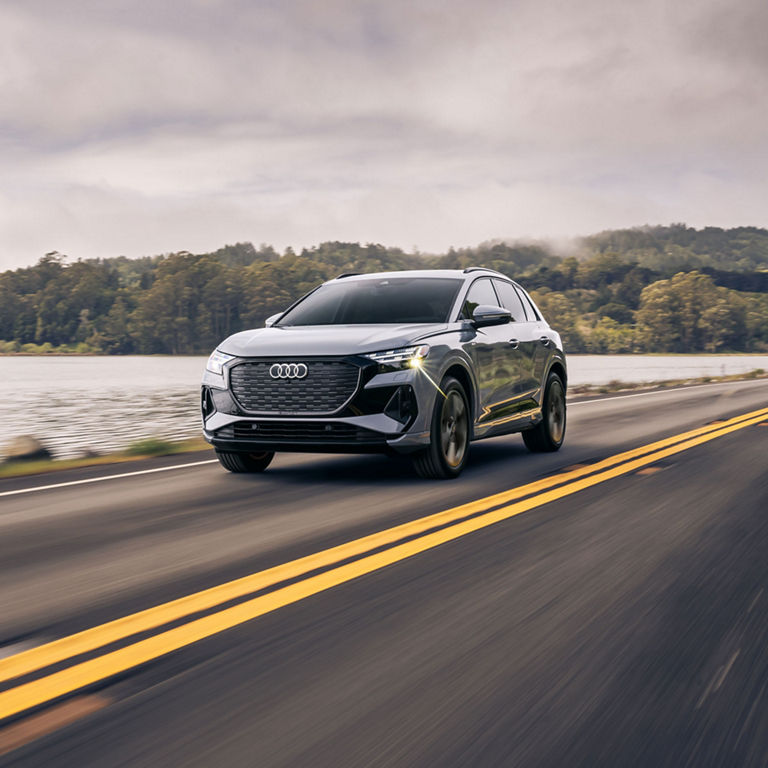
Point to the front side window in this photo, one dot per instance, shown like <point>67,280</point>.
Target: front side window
<point>375,301</point>
<point>481,292</point>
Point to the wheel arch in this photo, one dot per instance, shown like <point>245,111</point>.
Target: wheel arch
<point>465,378</point>
<point>558,368</point>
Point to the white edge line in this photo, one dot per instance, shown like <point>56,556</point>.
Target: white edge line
<point>106,477</point>
<point>213,461</point>
<point>661,392</point>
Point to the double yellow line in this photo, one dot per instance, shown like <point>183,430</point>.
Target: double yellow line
<point>420,534</point>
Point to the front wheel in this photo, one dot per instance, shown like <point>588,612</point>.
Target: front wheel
<point>548,434</point>
<point>449,434</point>
<point>244,462</point>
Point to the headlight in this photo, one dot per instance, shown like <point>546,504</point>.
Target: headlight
<point>398,357</point>
<point>216,362</point>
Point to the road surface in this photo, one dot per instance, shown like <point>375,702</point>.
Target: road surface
<point>604,605</point>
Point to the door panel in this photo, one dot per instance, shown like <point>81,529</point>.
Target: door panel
<point>524,386</point>
<point>540,330</point>
<point>531,350</point>
<point>496,363</point>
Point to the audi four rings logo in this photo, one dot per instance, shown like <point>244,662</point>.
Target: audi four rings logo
<point>288,371</point>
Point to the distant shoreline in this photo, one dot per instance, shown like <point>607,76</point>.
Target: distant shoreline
<point>569,354</point>
<point>612,387</point>
<point>39,355</point>
<point>154,447</point>
<point>132,354</point>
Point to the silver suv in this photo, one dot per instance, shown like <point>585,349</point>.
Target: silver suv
<point>417,362</point>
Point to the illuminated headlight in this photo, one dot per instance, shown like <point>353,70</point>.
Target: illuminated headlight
<point>405,356</point>
<point>216,362</point>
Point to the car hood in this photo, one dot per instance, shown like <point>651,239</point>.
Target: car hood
<point>311,340</point>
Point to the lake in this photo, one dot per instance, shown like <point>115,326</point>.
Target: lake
<point>74,404</point>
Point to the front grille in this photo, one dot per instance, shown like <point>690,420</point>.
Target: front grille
<point>295,432</point>
<point>327,386</point>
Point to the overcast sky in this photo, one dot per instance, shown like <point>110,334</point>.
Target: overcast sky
<point>139,127</point>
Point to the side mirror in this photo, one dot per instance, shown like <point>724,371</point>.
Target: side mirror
<point>485,314</point>
<point>272,319</point>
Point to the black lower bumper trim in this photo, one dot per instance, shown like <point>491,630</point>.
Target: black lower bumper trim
<point>255,446</point>
<point>315,436</point>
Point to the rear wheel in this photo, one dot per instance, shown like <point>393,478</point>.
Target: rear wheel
<point>244,462</point>
<point>449,434</point>
<point>548,434</point>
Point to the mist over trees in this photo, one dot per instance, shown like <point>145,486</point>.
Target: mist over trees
<point>659,289</point>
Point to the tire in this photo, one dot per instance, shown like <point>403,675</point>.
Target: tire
<point>244,462</point>
<point>548,434</point>
<point>449,435</point>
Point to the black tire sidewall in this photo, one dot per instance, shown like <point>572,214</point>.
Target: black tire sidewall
<point>241,462</point>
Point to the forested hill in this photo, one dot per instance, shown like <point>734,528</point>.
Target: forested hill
<point>647,289</point>
<point>677,247</point>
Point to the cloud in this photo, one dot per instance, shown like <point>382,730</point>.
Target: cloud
<point>138,127</point>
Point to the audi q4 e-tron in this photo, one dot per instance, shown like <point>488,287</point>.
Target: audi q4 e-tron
<point>416,362</point>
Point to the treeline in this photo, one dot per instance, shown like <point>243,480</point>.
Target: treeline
<point>660,289</point>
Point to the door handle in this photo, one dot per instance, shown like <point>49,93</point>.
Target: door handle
<point>545,340</point>
<point>514,343</point>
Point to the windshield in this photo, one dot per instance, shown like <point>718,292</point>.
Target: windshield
<point>388,300</point>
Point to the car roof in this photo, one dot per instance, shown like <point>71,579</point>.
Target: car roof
<point>435,273</point>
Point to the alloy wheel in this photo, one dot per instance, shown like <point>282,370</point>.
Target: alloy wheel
<point>556,412</point>
<point>454,428</point>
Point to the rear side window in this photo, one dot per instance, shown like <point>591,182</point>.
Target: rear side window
<point>511,300</point>
<point>481,292</point>
<point>532,313</point>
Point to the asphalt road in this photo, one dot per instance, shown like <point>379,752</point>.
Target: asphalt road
<point>620,620</point>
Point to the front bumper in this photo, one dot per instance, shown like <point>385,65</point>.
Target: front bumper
<point>374,420</point>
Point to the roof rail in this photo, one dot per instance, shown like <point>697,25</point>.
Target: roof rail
<point>347,274</point>
<point>483,269</point>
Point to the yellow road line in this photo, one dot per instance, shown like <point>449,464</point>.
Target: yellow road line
<point>119,629</point>
<point>45,689</point>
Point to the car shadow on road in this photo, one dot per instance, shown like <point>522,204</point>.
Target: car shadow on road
<point>377,468</point>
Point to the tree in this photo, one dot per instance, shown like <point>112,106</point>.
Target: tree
<point>689,313</point>
<point>116,338</point>
<point>611,337</point>
<point>563,314</point>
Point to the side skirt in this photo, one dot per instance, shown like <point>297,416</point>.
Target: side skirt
<point>508,425</point>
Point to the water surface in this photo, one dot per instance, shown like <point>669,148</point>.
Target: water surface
<point>75,404</point>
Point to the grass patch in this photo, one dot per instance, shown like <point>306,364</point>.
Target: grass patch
<point>141,449</point>
<point>150,446</point>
